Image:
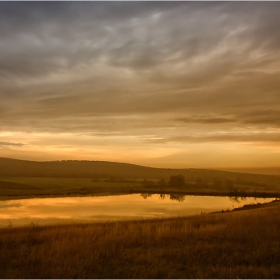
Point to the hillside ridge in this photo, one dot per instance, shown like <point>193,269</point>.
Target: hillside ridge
<point>10,167</point>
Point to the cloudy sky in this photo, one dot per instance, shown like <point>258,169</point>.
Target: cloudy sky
<point>168,84</point>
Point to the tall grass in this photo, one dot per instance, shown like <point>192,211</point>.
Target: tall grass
<point>242,244</point>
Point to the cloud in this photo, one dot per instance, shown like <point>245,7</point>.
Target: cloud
<point>264,117</point>
<point>206,120</point>
<point>41,38</point>
<point>245,137</point>
<point>254,117</point>
<point>172,71</point>
<point>11,144</point>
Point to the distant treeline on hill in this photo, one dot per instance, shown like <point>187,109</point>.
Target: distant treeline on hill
<point>101,169</point>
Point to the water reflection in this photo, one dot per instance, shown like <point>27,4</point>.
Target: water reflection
<point>237,198</point>
<point>162,196</point>
<point>87,209</point>
<point>146,195</point>
<point>181,197</point>
<point>177,197</point>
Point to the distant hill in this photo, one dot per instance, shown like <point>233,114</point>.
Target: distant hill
<point>266,171</point>
<point>102,169</point>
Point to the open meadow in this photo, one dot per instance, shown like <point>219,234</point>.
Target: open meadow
<point>18,187</point>
<point>237,244</point>
<point>19,178</point>
<point>48,187</point>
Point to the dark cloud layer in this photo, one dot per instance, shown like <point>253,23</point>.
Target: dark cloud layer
<point>270,117</point>
<point>11,144</point>
<point>41,37</point>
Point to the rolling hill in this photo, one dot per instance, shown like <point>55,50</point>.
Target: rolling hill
<point>101,169</point>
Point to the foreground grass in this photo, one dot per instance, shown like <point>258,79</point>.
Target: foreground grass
<point>241,244</point>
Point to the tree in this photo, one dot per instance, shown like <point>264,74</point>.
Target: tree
<point>177,181</point>
<point>147,183</point>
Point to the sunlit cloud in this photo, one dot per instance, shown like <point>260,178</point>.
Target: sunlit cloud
<point>140,81</point>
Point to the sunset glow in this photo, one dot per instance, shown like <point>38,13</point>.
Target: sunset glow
<point>164,84</point>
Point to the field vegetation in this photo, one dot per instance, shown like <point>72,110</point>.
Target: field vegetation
<point>53,187</point>
<point>19,178</point>
<point>238,244</point>
<point>19,187</point>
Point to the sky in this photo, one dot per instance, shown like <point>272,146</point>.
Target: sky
<point>166,84</point>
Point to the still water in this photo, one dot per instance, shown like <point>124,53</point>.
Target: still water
<point>42,211</point>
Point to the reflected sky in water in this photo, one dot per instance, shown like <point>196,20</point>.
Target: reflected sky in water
<point>103,208</point>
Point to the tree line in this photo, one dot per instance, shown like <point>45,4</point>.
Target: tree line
<point>179,181</point>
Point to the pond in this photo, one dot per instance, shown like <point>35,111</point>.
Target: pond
<point>41,211</point>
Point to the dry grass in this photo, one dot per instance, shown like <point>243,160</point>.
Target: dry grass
<point>242,244</point>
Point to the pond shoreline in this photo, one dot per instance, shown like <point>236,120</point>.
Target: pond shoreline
<point>111,208</point>
<point>139,191</point>
<point>248,207</point>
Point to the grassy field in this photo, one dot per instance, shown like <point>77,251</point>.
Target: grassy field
<point>239,244</point>
<point>11,188</point>
<point>21,178</point>
<point>36,187</point>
